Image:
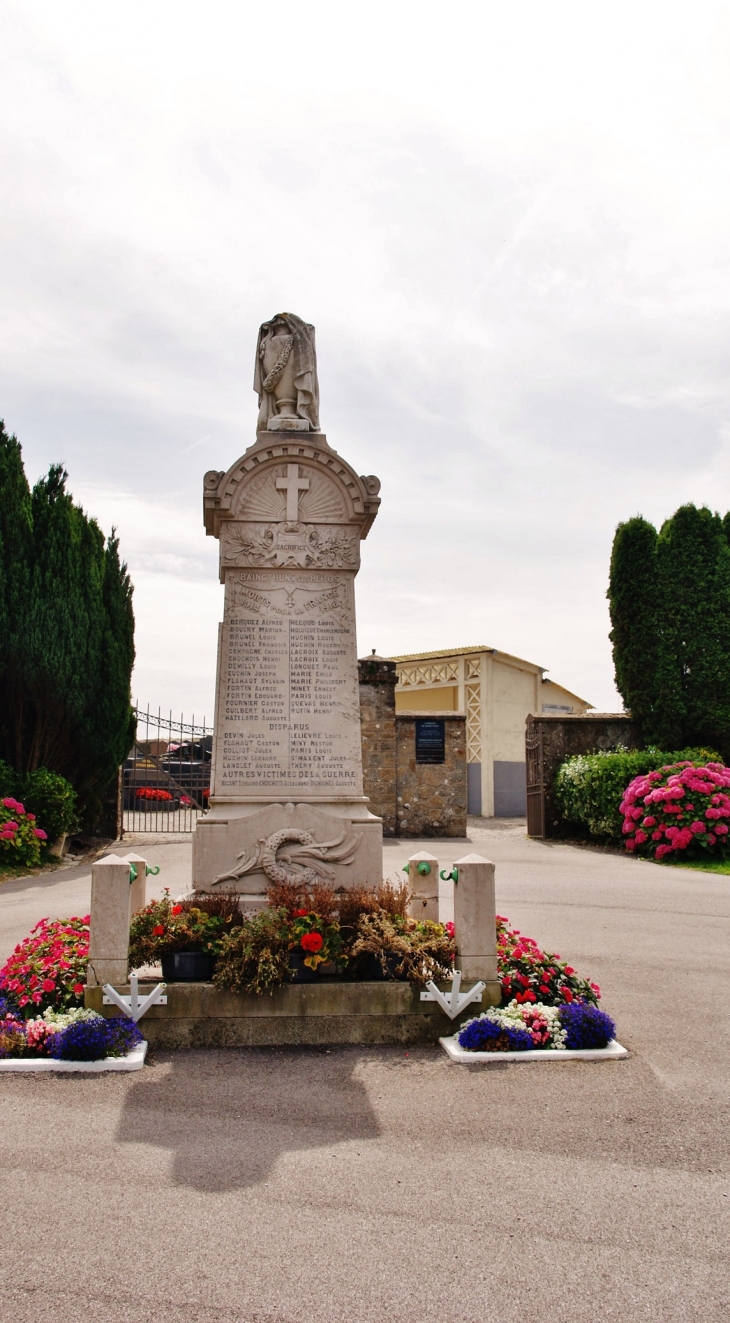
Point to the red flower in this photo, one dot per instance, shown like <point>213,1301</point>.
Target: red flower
<point>78,989</point>
<point>567,993</point>
<point>48,985</point>
<point>312,942</point>
<point>176,909</point>
<point>300,914</point>
<point>158,930</point>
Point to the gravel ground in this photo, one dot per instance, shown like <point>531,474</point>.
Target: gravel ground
<point>358,1185</point>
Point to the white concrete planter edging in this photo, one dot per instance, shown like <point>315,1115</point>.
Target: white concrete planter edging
<point>613,1052</point>
<point>133,1061</point>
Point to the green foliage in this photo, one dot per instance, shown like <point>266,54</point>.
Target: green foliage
<point>255,956</point>
<point>66,636</point>
<point>590,787</point>
<point>669,597</point>
<point>53,801</point>
<point>634,597</point>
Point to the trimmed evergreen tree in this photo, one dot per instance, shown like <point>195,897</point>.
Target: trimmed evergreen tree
<point>669,596</point>
<point>693,674</point>
<point>635,616</point>
<point>67,635</point>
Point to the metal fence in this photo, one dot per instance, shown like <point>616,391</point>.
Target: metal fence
<point>166,778</point>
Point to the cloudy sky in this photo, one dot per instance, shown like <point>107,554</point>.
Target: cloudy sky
<point>509,224</point>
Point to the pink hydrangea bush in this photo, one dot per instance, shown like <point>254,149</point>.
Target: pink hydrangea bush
<point>20,835</point>
<point>681,809</point>
<point>48,968</point>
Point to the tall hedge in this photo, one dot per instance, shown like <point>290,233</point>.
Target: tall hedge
<point>66,635</point>
<point>669,598</point>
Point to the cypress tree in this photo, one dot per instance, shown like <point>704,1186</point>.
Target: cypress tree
<point>693,677</point>
<point>670,611</point>
<point>635,609</point>
<point>67,641</point>
<point>16,555</point>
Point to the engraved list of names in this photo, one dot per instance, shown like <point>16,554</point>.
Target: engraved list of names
<point>289,706</point>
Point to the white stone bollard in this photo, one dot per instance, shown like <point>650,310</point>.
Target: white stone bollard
<point>423,878</point>
<point>138,889</point>
<point>475,919</point>
<point>110,915</point>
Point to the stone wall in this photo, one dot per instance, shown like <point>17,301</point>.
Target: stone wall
<point>377,718</point>
<point>413,799</point>
<point>431,796</point>
<point>550,740</point>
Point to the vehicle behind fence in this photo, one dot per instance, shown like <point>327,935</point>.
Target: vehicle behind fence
<point>166,778</point>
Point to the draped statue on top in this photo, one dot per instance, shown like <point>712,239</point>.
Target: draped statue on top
<point>285,376</point>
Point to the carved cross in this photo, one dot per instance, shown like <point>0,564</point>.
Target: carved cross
<point>292,484</point>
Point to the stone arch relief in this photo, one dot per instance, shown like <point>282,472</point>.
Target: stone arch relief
<point>290,515</point>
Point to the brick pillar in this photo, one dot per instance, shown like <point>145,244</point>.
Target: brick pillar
<point>377,720</point>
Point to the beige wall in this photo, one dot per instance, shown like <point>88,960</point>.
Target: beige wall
<point>553,696</point>
<point>443,699</point>
<point>497,693</point>
<point>513,699</point>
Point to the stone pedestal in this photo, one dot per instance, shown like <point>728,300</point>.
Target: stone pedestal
<point>109,924</point>
<point>475,919</point>
<point>286,796</point>
<point>423,879</point>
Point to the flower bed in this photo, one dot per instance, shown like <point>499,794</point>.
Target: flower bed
<point>48,968</point>
<point>682,808</point>
<point>59,1039</point>
<point>530,975</point>
<point>535,1032</point>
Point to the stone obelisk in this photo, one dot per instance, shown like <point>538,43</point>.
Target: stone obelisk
<point>286,797</point>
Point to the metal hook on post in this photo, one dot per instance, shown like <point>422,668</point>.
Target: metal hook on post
<point>453,876</point>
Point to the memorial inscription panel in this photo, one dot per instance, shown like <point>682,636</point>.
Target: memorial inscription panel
<point>289,709</point>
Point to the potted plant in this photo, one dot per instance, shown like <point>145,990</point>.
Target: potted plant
<point>398,947</point>
<point>184,937</point>
<point>314,942</point>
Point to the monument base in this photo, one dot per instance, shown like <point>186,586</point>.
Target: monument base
<point>235,845</point>
<point>331,1012</point>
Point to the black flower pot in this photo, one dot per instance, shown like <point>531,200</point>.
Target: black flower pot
<point>187,967</point>
<point>374,972</point>
<point>300,973</point>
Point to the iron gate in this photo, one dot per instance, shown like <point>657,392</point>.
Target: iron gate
<point>166,778</point>
<point>534,757</point>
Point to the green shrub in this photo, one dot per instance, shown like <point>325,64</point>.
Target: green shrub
<point>590,787</point>
<point>53,800</point>
<point>46,794</point>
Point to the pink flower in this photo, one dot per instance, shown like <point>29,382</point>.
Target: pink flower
<point>663,850</point>
<point>698,828</point>
<point>721,829</point>
<point>649,822</point>
<point>39,832</point>
<point>631,845</point>
<point>641,836</point>
<point>48,985</point>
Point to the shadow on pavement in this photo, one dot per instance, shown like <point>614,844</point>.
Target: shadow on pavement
<point>226,1115</point>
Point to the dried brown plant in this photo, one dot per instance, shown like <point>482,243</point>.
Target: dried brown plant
<point>222,904</point>
<point>393,898</point>
<point>291,896</point>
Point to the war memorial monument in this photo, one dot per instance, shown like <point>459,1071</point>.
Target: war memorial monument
<point>286,785</point>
